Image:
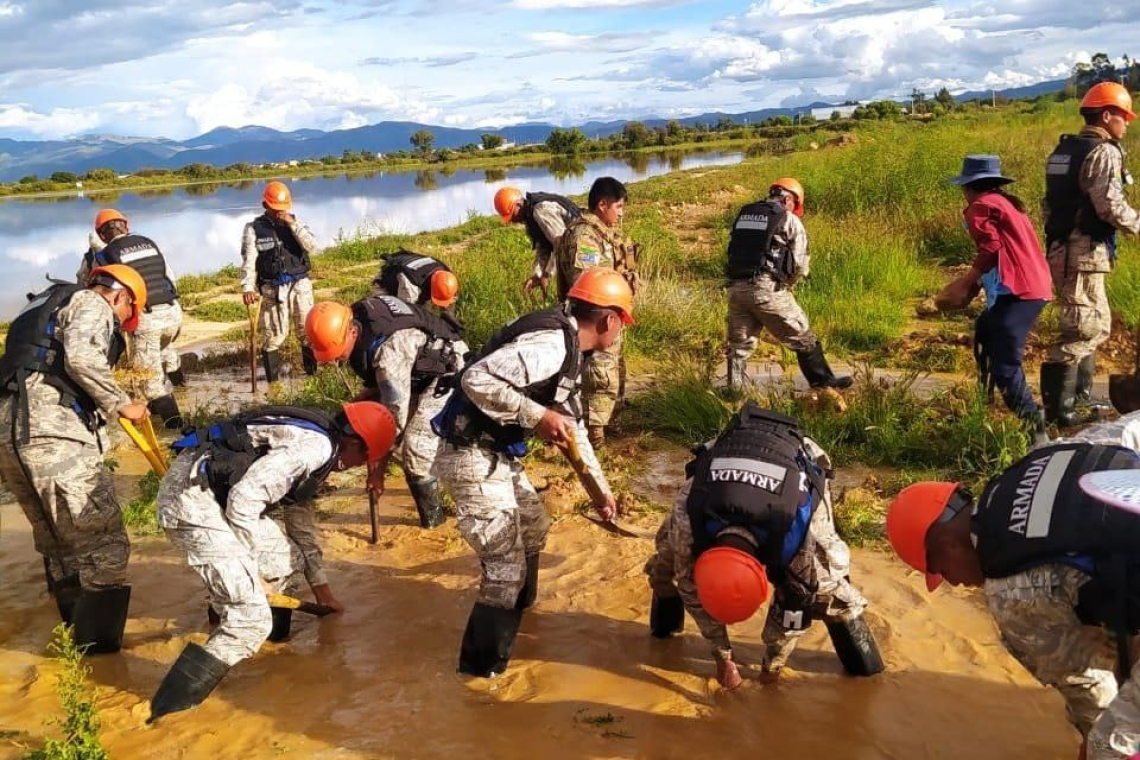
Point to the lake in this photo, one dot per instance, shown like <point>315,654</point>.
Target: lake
<point>198,227</point>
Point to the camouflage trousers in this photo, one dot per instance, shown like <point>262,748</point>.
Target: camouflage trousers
<point>67,495</point>
<point>1086,321</point>
<point>755,305</point>
<point>282,305</point>
<point>152,347</point>
<point>827,561</point>
<point>499,513</point>
<point>603,383</point>
<point>1034,611</point>
<point>418,450</point>
<point>236,580</point>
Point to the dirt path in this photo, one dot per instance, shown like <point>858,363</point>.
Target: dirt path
<point>586,680</point>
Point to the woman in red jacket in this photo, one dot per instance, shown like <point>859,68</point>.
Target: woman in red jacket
<point>1012,269</point>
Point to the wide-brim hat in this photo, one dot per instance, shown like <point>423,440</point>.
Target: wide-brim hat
<point>979,167</point>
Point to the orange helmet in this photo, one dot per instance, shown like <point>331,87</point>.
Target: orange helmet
<point>603,286</point>
<point>1109,95</point>
<point>108,215</point>
<point>731,584</point>
<point>373,423</point>
<point>444,288</point>
<point>277,196</point>
<point>506,199</point>
<point>910,516</point>
<point>327,328</point>
<point>122,277</point>
<point>794,187</point>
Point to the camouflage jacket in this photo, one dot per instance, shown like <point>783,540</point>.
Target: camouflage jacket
<point>588,242</point>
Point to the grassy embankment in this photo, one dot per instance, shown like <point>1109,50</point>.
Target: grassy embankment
<point>884,226</point>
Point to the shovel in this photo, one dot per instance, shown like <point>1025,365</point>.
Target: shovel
<point>284,602</point>
<point>570,449</point>
<point>254,312</point>
<point>1124,390</point>
<point>150,452</point>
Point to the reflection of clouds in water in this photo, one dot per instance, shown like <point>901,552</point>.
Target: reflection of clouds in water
<point>202,232</point>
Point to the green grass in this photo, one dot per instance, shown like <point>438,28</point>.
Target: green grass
<point>140,512</point>
<point>189,284</point>
<point>220,311</point>
<point>80,722</point>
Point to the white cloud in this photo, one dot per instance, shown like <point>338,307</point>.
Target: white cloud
<point>541,5</point>
<point>59,122</point>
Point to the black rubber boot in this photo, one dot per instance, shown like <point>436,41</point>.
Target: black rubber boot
<point>188,682</point>
<point>176,378</point>
<point>428,504</point>
<point>282,624</point>
<point>99,619</point>
<point>1058,394</point>
<point>66,592</point>
<point>1083,401</point>
<point>737,373</point>
<point>488,640</point>
<point>666,616</point>
<point>856,647</point>
<point>271,361</point>
<point>1037,428</point>
<point>308,360</point>
<point>166,409</point>
<point>817,371</point>
<point>529,591</point>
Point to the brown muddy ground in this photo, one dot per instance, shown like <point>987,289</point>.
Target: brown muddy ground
<point>586,681</point>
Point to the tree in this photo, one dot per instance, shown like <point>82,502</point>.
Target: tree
<point>917,101</point>
<point>1099,69</point>
<point>945,98</point>
<point>635,135</point>
<point>566,142</point>
<point>491,141</point>
<point>67,177</point>
<point>100,175</point>
<point>836,116</point>
<point>422,140</point>
<point>29,179</point>
<point>783,120</point>
<point>674,128</point>
<point>724,123</point>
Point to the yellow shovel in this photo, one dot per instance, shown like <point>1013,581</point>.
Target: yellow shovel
<point>254,312</point>
<point>147,444</point>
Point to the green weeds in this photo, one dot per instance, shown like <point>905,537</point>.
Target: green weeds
<point>140,513</point>
<point>80,723</point>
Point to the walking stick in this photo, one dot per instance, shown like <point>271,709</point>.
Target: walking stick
<point>140,440</point>
<point>374,517</point>
<point>253,311</point>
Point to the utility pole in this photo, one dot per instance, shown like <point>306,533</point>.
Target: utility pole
<point>993,98</point>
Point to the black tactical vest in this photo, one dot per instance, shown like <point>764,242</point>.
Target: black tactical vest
<point>1035,512</point>
<point>379,317</point>
<point>462,423</point>
<point>752,250</point>
<point>230,450</point>
<point>33,346</point>
<point>757,476</point>
<point>417,268</point>
<point>142,255</point>
<point>279,253</point>
<point>1069,207</point>
<point>533,231</point>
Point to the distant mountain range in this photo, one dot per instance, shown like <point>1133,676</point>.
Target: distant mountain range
<point>254,144</point>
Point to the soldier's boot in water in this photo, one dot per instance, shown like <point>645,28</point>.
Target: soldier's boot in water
<point>817,371</point>
<point>188,682</point>
<point>1058,394</point>
<point>99,617</point>
<point>529,590</point>
<point>855,646</point>
<point>425,492</point>
<point>166,409</point>
<point>488,640</point>
<point>666,616</point>
<point>1083,402</point>
<point>271,361</point>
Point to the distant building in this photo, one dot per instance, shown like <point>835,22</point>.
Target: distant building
<point>823,114</point>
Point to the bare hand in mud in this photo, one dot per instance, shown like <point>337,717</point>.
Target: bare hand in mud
<point>555,427</point>
<point>135,411</point>
<point>376,473</point>
<point>728,675</point>
<point>608,509</point>
<point>324,595</point>
<point>249,298</point>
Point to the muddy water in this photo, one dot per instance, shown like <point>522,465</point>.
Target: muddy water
<point>586,681</point>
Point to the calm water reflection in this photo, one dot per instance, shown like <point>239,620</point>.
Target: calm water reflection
<point>199,227</point>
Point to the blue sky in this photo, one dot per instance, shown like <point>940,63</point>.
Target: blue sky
<point>176,68</point>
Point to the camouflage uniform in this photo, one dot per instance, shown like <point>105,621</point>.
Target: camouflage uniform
<point>406,290</point>
<point>280,303</point>
<point>588,242</point>
<point>252,545</point>
<point>1079,266</point>
<point>552,219</point>
<point>394,361</point>
<point>761,303</point>
<point>58,476</point>
<point>500,514</point>
<point>152,344</point>
<point>1034,611</point>
<point>670,572</point>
